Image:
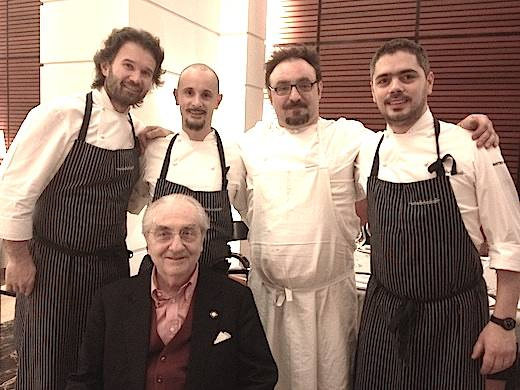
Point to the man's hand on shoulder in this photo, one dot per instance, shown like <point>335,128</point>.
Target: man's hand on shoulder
<point>149,133</point>
<point>483,130</point>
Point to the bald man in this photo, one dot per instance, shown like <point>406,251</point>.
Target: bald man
<point>194,161</point>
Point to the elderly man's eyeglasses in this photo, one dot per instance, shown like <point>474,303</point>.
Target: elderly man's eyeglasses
<point>187,234</point>
<point>284,89</point>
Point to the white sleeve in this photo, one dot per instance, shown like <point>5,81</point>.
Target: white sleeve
<point>38,151</point>
<point>499,209</point>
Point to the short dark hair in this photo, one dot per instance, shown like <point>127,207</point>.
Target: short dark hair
<point>401,44</point>
<point>116,39</point>
<point>284,53</point>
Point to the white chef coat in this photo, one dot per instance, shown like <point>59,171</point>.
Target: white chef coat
<point>483,187</point>
<point>301,194</point>
<point>193,164</point>
<point>43,141</point>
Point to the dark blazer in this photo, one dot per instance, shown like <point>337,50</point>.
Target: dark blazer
<point>115,346</point>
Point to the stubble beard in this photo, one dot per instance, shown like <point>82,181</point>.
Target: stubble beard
<point>118,93</point>
<point>195,126</point>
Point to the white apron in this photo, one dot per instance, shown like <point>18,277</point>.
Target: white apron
<point>303,276</point>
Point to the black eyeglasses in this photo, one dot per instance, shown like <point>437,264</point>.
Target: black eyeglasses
<point>285,89</point>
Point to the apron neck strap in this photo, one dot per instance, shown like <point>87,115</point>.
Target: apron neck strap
<point>438,165</point>
<point>222,159</point>
<point>223,169</point>
<point>166,162</point>
<point>86,118</point>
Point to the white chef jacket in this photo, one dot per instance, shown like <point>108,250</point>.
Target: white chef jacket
<point>483,187</point>
<point>39,149</point>
<point>301,193</point>
<point>299,149</point>
<point>193,164</point>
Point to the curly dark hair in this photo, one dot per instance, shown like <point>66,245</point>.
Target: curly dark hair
<point>401,44</point>
<point>284,53</point>
<point>116,39</point>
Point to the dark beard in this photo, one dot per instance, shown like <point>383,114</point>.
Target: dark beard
<point>118,93</point>
<point>196,126</point>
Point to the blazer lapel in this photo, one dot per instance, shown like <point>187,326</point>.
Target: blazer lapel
<point>205,324</point>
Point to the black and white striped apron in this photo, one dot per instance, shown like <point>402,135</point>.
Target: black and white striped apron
<point>216,203</point>
<point>79,231</point>
<point>426,300</point>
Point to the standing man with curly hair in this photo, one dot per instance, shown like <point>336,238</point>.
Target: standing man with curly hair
<point>64,189</point>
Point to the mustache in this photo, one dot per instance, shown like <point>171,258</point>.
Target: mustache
<point>196,110</point>
<point>396,96</point>
<point>130,84</point>
<point>298,104</point>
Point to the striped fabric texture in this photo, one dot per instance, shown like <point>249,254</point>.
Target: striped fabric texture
<point>426,301</point>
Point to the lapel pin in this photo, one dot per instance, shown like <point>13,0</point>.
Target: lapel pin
<point>213,314</point>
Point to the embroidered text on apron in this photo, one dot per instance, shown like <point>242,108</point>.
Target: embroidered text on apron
<point>216,204</point>
<point>79,230</point>
<point>426,300</point>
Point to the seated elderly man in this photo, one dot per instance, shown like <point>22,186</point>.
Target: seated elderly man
<point>178,326</point>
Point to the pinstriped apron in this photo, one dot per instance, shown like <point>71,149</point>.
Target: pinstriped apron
<point>216,204</point>
<point>79,230</point>
<point>426,300</point>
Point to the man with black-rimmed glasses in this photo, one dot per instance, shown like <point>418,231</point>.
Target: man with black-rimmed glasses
<point>302,225</point>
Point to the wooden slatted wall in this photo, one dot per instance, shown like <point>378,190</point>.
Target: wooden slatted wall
<point>3,67</point>
<point>19,62</point>
<point>473,45</point>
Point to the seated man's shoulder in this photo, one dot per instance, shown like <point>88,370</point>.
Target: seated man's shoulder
<point>226,283</point>
<point>119,286</point>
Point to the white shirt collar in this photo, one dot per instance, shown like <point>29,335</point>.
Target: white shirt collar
<point>284,130</point>
<point>211,137</point>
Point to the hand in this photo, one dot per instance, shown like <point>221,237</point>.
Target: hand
<point>238,278</point>
<point>497,346</point>
<point>149,133</point>
<point>20,273</point>
<point>482,128</point>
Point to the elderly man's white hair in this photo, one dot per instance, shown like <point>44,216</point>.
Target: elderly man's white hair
<point>170,201</point>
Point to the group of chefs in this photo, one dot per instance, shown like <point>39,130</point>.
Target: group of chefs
<point>74,170</point>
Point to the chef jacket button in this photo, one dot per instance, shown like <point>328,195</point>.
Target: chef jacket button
<point>159,379</point>
<point>162,358</point>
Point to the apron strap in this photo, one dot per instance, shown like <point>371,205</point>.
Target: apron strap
<point>400,324</point>
<point>166,162</point>
<point>222,158</point>
<point>375,164</point>
<point>223,169</point>
<point>86,118</point>
<point>438,165</point>
<point>136,141</point>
